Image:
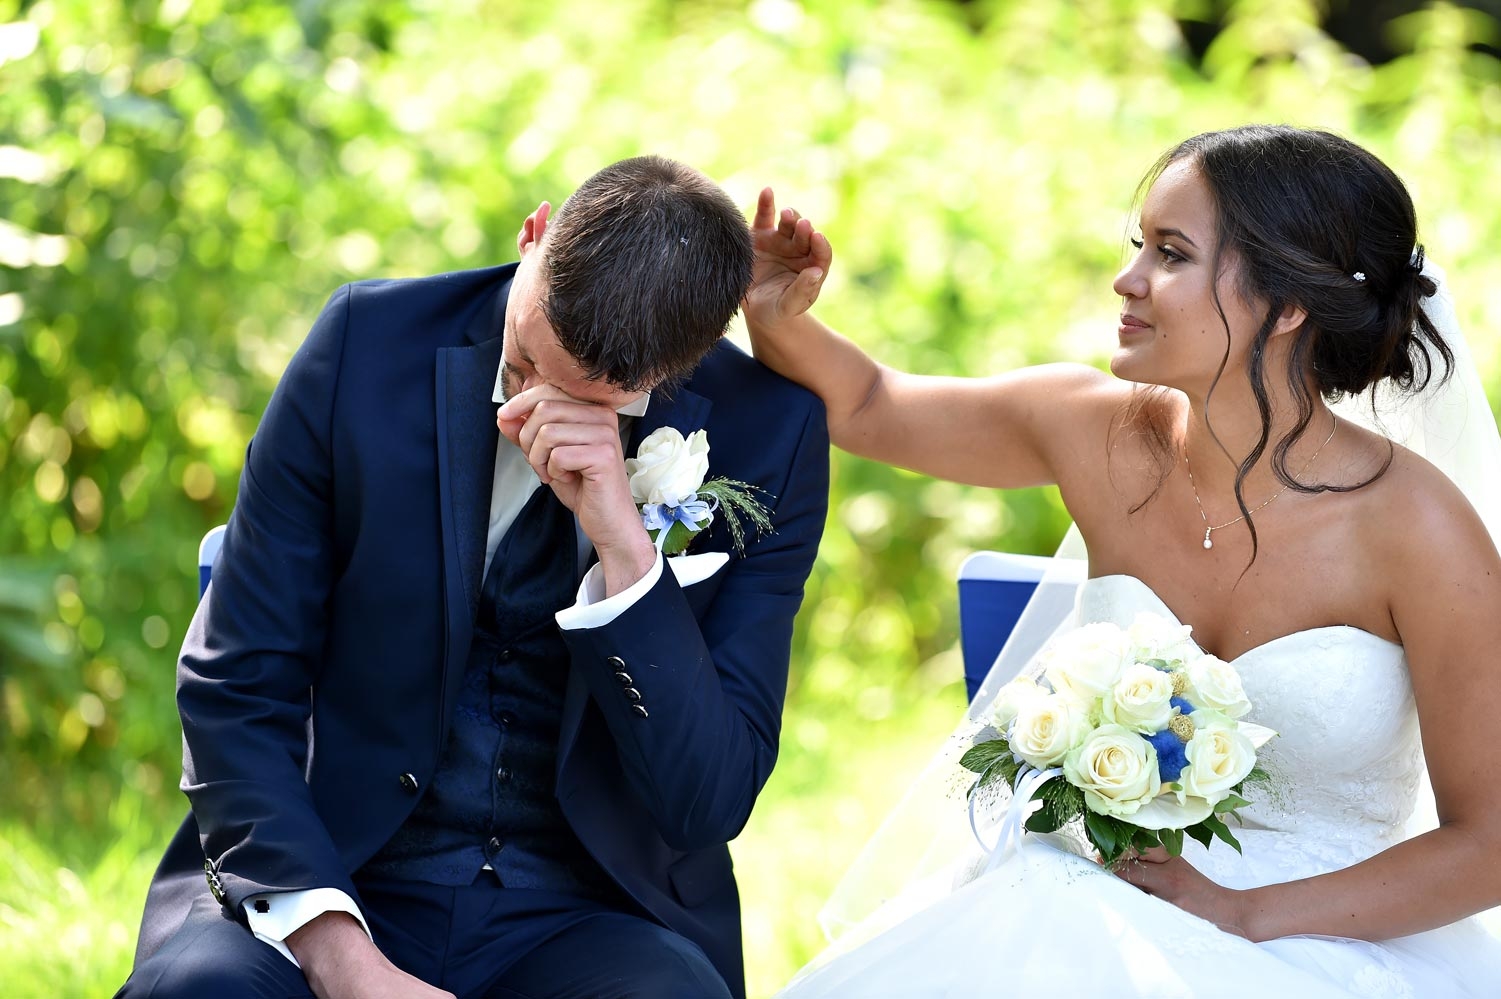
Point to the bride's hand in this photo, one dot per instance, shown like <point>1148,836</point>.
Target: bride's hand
<point>1175,880</point>
<point>791,263</point>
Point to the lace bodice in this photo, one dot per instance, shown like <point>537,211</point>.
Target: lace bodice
<point>1347,757</point>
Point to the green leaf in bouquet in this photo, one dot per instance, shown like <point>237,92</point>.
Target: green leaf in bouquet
<point>982,755</point>
<point>1103,834</point>
<point>1044,820</point>
<point>1061,801</point>
<point>1200,832</point>
<point>1258,775</point>
<point>1049,818</point>
<point>1218,827</point>
<point>1161,664</point>
<point>1230,804</point>
<point>1143,840</point>
<point>1172,839</point>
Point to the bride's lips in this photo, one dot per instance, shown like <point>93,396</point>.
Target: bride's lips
<point>1131,326</point>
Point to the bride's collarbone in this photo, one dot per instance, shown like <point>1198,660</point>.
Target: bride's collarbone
<point>1236,604</point>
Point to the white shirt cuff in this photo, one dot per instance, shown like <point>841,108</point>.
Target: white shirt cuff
<point>289,911</point>
<point>593,609</point>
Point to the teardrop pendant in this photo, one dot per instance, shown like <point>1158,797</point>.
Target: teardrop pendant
<point>1207,543</point>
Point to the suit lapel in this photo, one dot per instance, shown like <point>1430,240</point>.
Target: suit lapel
<point>466,469</point>
<point>467,437</point>
<point>686,412</point>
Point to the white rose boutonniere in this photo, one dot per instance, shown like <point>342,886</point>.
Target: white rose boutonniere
<point>667,484</point>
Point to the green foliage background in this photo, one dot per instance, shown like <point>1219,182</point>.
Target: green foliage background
<point>182,184</point>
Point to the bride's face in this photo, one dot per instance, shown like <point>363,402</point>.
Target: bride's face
<point>1170,331</point>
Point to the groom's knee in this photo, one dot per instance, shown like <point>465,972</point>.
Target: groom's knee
<point>213,957</point>
<point>616,957</point>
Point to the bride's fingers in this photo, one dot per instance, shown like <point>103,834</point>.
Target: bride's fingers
<point>766,209</point>
<point>787,224</point>
<point>803,292</point>
<point>820,250</point>
<point>802,237</point>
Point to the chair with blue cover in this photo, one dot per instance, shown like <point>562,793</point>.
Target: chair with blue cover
<point>208,550</point>
<point>994,588</point>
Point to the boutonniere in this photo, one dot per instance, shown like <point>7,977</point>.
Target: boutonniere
<point>667,483</point>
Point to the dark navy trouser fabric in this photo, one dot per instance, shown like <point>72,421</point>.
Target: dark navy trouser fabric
<point>478,942</point>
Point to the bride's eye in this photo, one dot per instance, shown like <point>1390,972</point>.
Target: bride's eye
<point>1169,254</point>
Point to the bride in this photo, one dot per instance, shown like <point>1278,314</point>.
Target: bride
<point>1352,583</point>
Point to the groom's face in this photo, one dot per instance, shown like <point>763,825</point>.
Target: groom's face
<point>532,353</point>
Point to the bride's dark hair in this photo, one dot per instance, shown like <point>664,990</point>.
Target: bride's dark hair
<point>1317,222</point>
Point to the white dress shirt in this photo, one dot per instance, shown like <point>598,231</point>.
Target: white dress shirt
<point>514,481</point>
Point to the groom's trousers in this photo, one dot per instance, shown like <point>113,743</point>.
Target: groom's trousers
<point>481,941</point>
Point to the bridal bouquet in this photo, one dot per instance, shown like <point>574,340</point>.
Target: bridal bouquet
<point>1133,730</point>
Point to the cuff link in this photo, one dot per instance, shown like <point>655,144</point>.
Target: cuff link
<point>215,886</point>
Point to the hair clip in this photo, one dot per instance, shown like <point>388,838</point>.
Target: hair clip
<point>1416,260</point>
<point>1359,276</point>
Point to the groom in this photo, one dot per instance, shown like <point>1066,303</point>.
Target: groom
<point>424,757</point>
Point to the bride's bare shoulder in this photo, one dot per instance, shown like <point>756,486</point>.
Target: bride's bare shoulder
<point>1420,517</point>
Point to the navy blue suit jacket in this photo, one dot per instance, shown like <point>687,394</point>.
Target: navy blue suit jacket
<point>325,661</point>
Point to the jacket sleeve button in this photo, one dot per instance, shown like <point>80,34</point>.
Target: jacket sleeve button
<point>615,663</point>
<point>639,710</point>
<point>408,783</point>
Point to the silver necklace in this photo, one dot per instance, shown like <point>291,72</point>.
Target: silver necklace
<point>1208,543</point>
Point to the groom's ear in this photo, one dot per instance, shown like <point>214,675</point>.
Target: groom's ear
<point>533,229</point>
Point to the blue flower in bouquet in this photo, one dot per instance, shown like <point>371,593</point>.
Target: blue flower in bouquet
<point>1171,757</point>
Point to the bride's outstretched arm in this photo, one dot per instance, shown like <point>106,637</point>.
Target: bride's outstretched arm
<point>1444,579</point>
<point>1009,430</point>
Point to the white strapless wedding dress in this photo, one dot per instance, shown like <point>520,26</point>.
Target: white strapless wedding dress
<point>1046,922</point>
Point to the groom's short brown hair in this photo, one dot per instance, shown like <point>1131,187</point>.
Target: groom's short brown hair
<point>646,264</point>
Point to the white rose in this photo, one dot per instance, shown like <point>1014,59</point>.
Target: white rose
<point>1116,769</point>
<point>1214,683</point>
<point>1010,698</point>
<point>1141,699</point>
<point>1153,636</point>
<point>667,468</point>
<point>1045,729</point>
<point>1219,757</point>
<point>1085,663</point>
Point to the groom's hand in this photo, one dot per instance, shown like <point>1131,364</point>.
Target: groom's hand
<point>340,962</point>
<point>574,446</point>
<point>792,260</point>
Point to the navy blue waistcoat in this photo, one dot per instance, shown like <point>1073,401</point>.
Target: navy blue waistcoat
<point>493,798</point>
